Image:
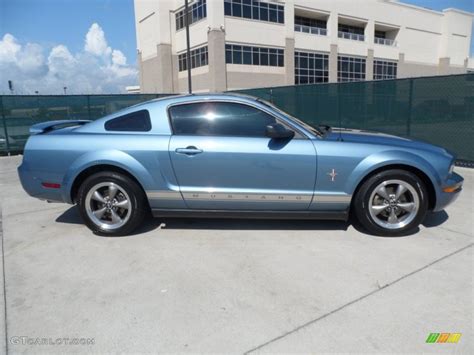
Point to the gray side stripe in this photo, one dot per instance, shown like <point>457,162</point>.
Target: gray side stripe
<point>251,197</point>
<point>332,198</point>
<point>164,195</point>
<point>246,197</point>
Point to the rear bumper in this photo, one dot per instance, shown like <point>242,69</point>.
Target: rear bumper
<point>449,191</point>
<point>32,181</point>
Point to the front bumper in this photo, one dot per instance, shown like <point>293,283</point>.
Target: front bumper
<point>449,191</point>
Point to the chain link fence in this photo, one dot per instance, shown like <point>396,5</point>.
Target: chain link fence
<point>439,110</point>
<point>18,113</point>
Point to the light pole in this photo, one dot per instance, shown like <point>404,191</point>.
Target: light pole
<point>188,51</point>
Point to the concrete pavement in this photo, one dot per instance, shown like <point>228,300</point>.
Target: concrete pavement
<point>232,286</point>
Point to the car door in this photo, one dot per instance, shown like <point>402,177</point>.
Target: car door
<point>223,159</point>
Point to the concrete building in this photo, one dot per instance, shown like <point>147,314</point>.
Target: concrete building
<point>247,43</point>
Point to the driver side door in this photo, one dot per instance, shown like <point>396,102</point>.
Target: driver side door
<point>223,159</point>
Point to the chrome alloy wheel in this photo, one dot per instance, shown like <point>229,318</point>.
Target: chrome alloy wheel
<point>393,204</point>
<point>108,205</point>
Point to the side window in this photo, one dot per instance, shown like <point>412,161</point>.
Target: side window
<point>219,119</point>
<point>138,121</point>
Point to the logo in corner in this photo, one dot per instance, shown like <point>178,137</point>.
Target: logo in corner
<point>443,338</point>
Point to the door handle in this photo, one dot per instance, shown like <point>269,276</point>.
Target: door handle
<point>190,150</point>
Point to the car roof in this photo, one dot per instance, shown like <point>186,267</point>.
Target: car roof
<point>204,96</point>
<point>158,103</point>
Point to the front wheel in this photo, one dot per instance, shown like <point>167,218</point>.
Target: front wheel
<point>391,203</point>
<point>112,204</point>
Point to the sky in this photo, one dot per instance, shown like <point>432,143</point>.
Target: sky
<point>87,45</point>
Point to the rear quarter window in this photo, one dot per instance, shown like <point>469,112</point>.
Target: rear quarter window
<point>138,121</point>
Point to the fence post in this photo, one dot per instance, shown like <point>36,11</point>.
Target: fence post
<point>89,106</point>
<point>339,116</point>
<point>4,121</point>
<point>410,105</point>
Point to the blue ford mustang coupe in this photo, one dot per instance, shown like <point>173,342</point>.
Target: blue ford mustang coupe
<point>233,156</point>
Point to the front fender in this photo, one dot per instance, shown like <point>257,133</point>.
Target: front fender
<point>393,157</point>
<point>105,157</point>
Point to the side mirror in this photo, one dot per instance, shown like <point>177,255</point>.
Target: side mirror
<point>277,130</point>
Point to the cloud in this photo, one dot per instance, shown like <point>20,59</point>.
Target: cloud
<point>96,69</point>
<point>95,41</point>
<point>118,58</point>
<point>9,49</point>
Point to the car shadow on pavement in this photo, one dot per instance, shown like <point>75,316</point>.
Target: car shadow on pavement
<point>250,224</point>
<point>435,219</point>
<point>71,216</point>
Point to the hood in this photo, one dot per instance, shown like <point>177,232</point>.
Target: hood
<point>369,137</point>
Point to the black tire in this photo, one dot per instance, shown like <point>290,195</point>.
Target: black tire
<point>131,216</point>
<point>362,204</point>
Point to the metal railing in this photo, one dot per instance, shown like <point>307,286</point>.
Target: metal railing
<point>351,36</point>
<point>385,41</point>
<point>310,29</point>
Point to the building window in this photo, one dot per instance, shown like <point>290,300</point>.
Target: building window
<point>199,58</point>
<point>197,11</point>
<point>311,68</point>
<point>351,29</point>
<point>384,69</point>
<point>237,54</point>
<point>351,32</point>
<point>310,25</point>
<point>350,69</point>
<point>256,10</point>
<point>380,34</point>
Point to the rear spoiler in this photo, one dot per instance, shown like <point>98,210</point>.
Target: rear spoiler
<point>48,126</point>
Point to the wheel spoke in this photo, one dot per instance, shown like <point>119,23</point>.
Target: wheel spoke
<point>100,212</point>
<point>382,191</point>
<point>115,217</point>
<point>378,208</point>
<point>123,204</point>
<point>112,191</point>
<point>407,206</point>
<point>98,197</point>
<point>393,217</point>
<point>400,191</point>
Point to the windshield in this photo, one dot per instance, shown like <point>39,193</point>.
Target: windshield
<point>308,127</point>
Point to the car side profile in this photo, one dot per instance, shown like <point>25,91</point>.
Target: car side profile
<point>223,155</point>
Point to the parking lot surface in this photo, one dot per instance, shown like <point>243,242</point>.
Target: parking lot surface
<point>231,286</point>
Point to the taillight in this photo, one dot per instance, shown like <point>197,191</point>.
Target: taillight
<point>51,185</point>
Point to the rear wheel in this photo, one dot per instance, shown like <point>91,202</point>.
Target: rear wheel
<point>112,204</point>
<point>391,203</point>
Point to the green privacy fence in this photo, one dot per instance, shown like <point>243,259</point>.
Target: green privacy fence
<point>18,113</point>
<point>438,109</point>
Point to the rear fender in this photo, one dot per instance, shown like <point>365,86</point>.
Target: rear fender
<point>106,157</point>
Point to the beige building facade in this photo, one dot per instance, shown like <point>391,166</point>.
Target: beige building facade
<point>238,44</point>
